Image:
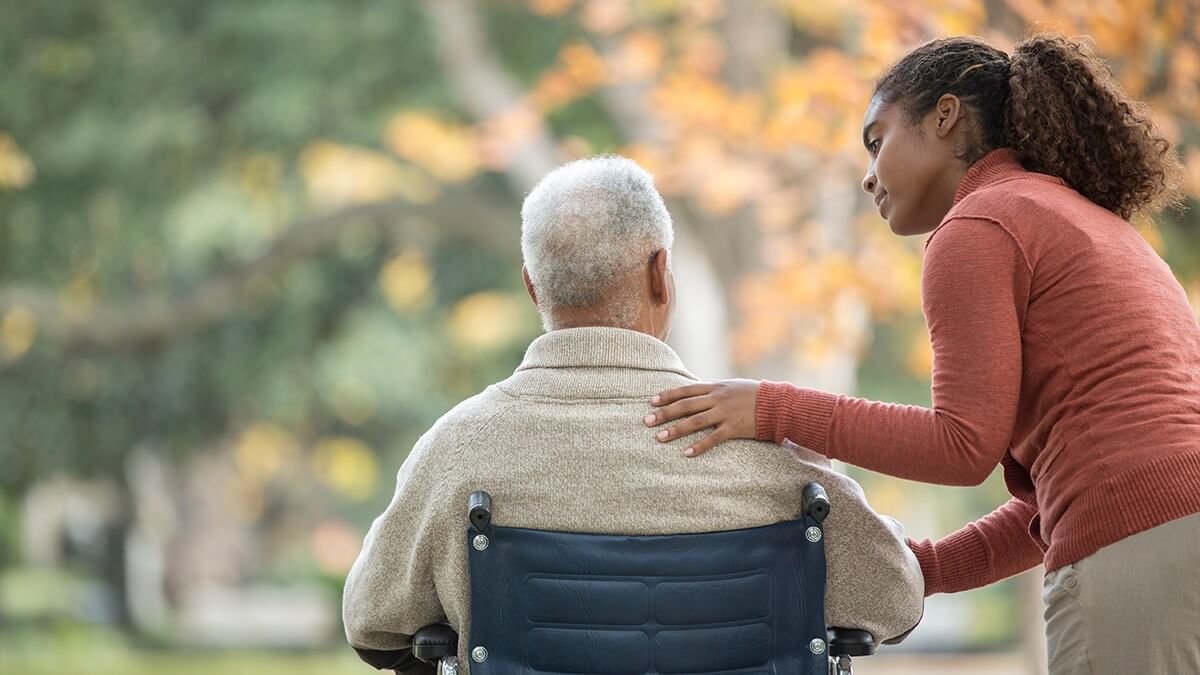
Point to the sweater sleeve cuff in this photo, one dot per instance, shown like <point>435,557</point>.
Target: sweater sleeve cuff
<point>959,562</point>
<point>785,412</point>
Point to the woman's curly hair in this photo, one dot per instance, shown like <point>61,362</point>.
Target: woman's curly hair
<point>1056,103</point>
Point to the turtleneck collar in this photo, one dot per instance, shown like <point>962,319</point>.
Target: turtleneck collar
<point>996,165</point>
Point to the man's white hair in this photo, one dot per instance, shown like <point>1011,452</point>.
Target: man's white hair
<point>585,227</point>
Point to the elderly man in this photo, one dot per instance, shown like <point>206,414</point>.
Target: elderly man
<point>561,445</point>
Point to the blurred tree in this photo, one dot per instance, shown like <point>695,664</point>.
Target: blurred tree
<point>294,225</point>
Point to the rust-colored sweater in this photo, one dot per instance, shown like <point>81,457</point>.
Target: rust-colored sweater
<point>1063,349</point>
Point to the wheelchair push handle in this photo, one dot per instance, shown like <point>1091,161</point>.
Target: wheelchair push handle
<point>479,510</point>
<point>815,502</point>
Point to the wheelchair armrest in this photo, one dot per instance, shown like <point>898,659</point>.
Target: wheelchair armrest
<point>433,642</point>
<point>850,641</point>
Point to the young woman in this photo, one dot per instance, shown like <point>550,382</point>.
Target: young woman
<point>1064,349</point>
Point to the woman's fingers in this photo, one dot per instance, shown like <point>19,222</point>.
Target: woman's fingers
<point>690,425</point>
<point>688,406</point>
<point>671,395</point>
<point>707,443</point>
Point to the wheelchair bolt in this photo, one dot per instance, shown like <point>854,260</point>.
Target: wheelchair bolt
<point>480,542</point>
<point>817,646</point>
<point>479,654</point>
<point>813,534</point>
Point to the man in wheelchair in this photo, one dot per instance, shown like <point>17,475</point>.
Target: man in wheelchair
<point>559,447</point>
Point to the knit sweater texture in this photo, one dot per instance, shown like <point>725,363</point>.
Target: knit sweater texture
<point>1064,351</point>
<point>561,446</point>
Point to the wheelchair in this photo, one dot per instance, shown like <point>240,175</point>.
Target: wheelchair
<point>740,602</point>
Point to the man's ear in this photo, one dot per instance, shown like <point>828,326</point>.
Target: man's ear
<point>529,285</point>
<point>660,288</point>
<point>947,112</point>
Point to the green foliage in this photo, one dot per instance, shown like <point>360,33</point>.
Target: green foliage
<point>166,138</point>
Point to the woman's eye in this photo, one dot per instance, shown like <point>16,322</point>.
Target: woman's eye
<point>874,147</point>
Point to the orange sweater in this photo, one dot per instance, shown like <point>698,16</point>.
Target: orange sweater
<point>1064,350</point>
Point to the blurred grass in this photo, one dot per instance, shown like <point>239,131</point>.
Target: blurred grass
<point>133,662</point>
<point>101,652</point>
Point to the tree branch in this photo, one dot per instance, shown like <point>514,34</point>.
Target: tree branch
<point>486,90</point>
<point>160,316</point>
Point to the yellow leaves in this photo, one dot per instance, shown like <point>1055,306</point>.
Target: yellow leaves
<point>668,174</point>
<point>743,116</point>
<point>443,150</point>
<point>407,282</point>
<point>605,16</point>
<point>639,57</point>
<point>959,17</point>
<point>16,169</point>
<point>554,88</point>
<point>78,298</point>
<point>1151,234</point>
<point>486,320</point>
<point>1184,75</point>
<point>578,72</point>
<point>18,330</point>
<point>550,7</point>
<point>338,174</point>
<point>701,53</point>
<point>812,302</point>
<point>260,172</point>
<point>503,136</point>
<point>729,185</point>
<point>262,451</point>
<point>919,360</point>
<point>347,466</point>
<point>818,103</point>
<point>1192,165</point>
<point>693,103</point>
<point>818,18</point>
<point>583,65</point>
<point>446,150</point>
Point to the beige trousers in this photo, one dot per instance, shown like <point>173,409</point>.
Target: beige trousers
<point>1132,607</point>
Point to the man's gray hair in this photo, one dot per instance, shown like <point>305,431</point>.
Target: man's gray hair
<point>585,227</point>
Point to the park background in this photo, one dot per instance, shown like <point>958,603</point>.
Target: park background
<point>249,251</point>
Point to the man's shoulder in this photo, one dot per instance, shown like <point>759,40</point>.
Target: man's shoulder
<point>468,418</point>
<point>788,462</point>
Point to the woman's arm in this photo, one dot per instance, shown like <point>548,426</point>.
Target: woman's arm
<point>975,288</point>
<point>992,548</point>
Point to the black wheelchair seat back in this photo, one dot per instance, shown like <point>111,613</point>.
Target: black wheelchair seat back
<point>737,602</point>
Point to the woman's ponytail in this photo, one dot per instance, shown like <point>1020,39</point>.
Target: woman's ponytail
<point>1067,117</point>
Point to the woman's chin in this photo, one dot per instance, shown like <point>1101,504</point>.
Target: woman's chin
<point>904,227</point>
<point>897,226</point>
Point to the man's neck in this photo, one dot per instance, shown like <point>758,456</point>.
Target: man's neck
<point>589,318</point>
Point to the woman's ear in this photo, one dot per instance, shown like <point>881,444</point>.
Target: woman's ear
<point>947,112</point>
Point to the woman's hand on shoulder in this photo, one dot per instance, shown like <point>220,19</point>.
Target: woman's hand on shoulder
<point>727,405</point>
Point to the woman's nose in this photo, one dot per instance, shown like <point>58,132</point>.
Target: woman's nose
<point>868,183</point>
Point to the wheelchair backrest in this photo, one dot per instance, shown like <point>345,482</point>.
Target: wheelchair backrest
<point>739,602</point>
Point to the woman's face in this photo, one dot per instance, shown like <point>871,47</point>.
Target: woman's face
<point>914,172</point>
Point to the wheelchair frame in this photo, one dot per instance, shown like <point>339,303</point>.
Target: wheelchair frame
<point>437,644</point>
